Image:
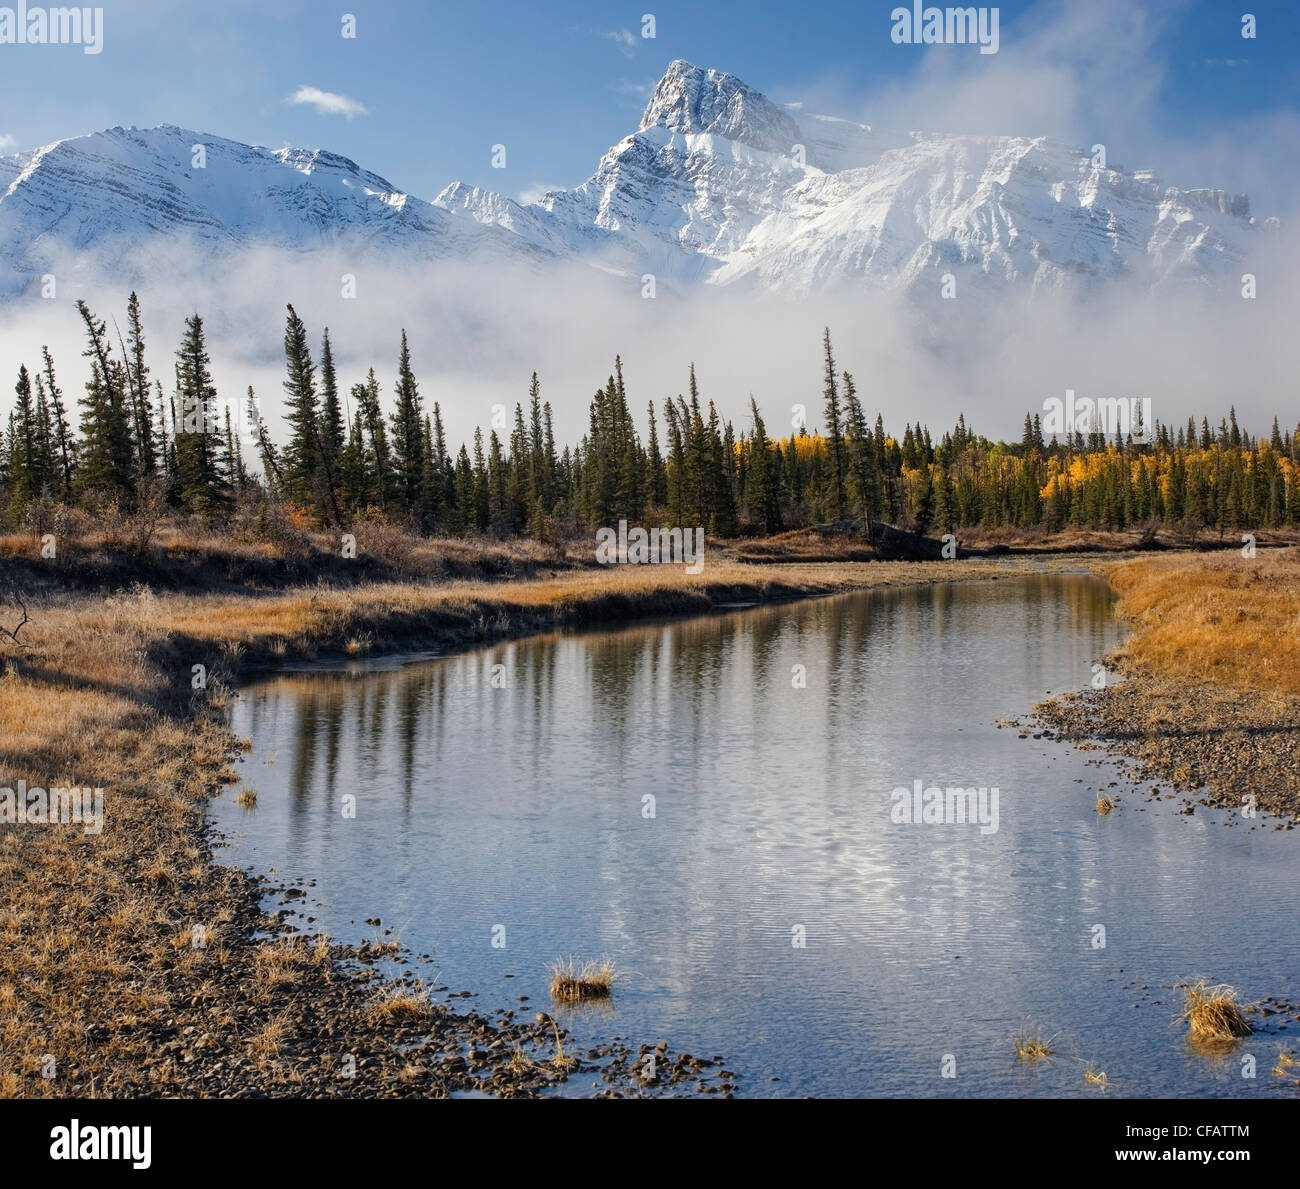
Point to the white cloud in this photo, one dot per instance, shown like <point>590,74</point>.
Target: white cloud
<point>480,328</point>
<point>537,191</point>
<point>641,91</point>
<point>327,103</point>
<point>6,143</point>
<point>1192,353</point>
<point>622,38</point>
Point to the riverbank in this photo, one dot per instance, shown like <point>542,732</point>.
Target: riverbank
<point>1209,703</point>
<point>132,963</point>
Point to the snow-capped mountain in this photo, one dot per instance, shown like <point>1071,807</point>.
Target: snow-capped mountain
<point>112,195</point>
<point>718,185</point>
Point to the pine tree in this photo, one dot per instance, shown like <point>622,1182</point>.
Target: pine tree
<point>301,460</point>
<point>550,464</point>
<point>353,470</point>
<point>45,451</point>
<point>65,446</point>
<point>1028,438</point>
<point>24,478</point>
<point>408,434</point>
<point>517,480</point>
<point>497,498</point>
<point>308,472</point>
<point>104,464</point>
<point>764,477</point>
<point>272,468</point>
<point>722,507</point>
<point>482,508</point>
<point>378,457</point>
<point>834,437</point>
<point>464,487</point>
<point>232,461</point>
<point>676,467</point>
<point>441,469</point>
<point>699,479</point>
<point>137,377</point>
<point>536,468</point>
<point>656,481</point>
<point>944,501</point>
<point>862,456</point>
<point>331,430</point>
<point>203,486</point>
<point>431,493</point>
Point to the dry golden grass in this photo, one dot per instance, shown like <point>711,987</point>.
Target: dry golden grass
<point>100,692</point>
<point>1213,1013</point>
<point>247,798</point>
<point>220,630</point>
<point>1211,700</point>
<point>267,1041</point>
<point>1104,805</point>
<point>559,1061</point>
<point>1218,618</point>
<point>400,1005</point>
<point>1096,1077</point>
<point>1032,1045</point>
<point>521,1063</point>
<point>1287,1060</point>
<point>591,980</point>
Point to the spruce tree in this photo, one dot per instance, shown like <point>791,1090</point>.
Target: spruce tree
<point>272,466</point>
<point>834,437</point>
<point>408,434</point>
<point>45,451</point>
<point>203,486</point>
<point>137,378</point>
<point>104,464</point>
<point>308,471</point>
<point>550,464</point>
<point>379,484</point>
<point>353,486</point>
<point>861,455</point>
<point>301,463</point>
<point>331,409</point>
<point>65,446</point>
<point>764,477</point>
<point>24,475</point>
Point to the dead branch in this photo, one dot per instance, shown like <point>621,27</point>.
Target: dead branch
<point>13,635</point>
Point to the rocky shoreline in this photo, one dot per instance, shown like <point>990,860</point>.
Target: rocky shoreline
<point>1220,748</point>
<point>133,964</point>
<point>1208,698</point>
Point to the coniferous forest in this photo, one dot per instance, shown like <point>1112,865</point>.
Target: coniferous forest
<point>141,432</point>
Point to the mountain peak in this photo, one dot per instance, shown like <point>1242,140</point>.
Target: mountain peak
<point>689,99</point>
<point>730,207</point>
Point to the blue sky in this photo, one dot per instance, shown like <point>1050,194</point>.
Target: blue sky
<point>557,83</point>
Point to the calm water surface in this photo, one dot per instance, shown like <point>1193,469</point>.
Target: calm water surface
<point>524,802</point>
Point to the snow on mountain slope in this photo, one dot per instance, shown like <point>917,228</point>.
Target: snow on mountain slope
<point>721,185</point>
<point>718,185</point>
<point>1002,211</point>
<point>111,192</point>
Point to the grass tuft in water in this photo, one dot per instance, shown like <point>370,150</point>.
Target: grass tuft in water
<point>571,982</point>
<point>1213,1013</point>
